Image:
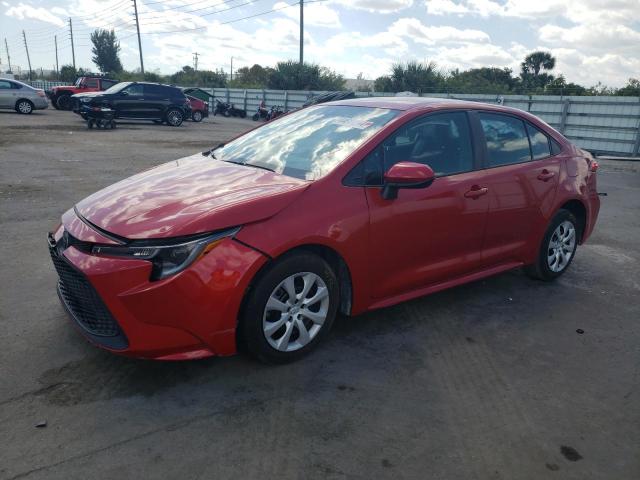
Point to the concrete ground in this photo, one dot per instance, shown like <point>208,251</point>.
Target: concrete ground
<point>505,378</point>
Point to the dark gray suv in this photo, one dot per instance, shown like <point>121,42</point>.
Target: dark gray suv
<point>139,101</point>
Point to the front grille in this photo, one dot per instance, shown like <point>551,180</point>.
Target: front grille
<point>82,299</point>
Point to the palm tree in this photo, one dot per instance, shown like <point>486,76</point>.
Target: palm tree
<point>536,61</point>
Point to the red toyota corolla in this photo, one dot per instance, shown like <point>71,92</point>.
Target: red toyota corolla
<point>343,207</point>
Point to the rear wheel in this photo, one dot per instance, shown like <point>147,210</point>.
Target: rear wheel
<point>558,247</point>
<point>290,309</point>
<point>256,117</point>
<point>64,102</point>
<point>24,107</point>
<point>196,116</point>
<point>174,117</point>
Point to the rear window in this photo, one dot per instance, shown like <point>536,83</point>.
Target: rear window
<point>539,143</point>
<point>506,138</point>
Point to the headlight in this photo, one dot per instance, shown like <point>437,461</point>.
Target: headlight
<point>167,256</point>
<point>85,100</point>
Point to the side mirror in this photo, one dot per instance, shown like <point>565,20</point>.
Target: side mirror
<point>125,93</point>
<point>406,175</point>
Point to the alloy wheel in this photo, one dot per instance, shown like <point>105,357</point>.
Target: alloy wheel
<point>561,246</point>
<point>295,311</point>
<point>196,116</point>
<point>25,107</point>
<point>174,118</point>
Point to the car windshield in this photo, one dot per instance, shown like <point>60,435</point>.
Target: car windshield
<point>117,87</point>
<point>309,143</point>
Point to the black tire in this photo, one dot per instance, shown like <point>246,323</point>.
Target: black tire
<point>174,117</point>
<point>54,104</point>
<point>64,102</point>
<point>24,107</point>
<point>541,269</point>
<point>226,113</point>
<point>90,124</point>
<point>197,116</point>
<point>113,124</point>
<point>251,334</point>
<point>256,117</point>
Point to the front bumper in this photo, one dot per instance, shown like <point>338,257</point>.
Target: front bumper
<point>190,315</point>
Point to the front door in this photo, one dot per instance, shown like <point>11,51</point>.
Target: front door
<point>427,236</point>
<point>7,94</point>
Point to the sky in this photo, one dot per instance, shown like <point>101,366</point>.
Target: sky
<point>592,40</point>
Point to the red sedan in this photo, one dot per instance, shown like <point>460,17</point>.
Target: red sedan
<point>344,207</point>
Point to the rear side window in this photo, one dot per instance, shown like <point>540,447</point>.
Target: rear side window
<point>154,90</point>
<point>506,137</point>
<point>108,83</point>
<point>91,82</point>
<point>4,85</point>
<point>539,143</point>
<point>555,147</point>
<point>134,89</point>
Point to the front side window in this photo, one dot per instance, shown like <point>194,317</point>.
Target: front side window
<point>539,143</point>
<point>309,143</point>
<point>134,89</point>
<point>506,139</point>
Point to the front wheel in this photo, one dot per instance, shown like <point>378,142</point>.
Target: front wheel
<point>558,247</point>
<point>24,107</point>
<point>174,117</point>
<point>290,309</point>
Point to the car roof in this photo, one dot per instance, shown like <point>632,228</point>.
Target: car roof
<point>421,103</point>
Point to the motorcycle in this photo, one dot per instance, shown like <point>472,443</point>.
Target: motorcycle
<point>237,112</point>
<point>275,112</point>
<point>222,108</point>
<point>262,112</point>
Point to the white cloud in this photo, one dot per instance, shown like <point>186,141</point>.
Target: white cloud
<point>23,11</point>
<point>315,14</point>
<point>414,29</point>
<point>377,6</point>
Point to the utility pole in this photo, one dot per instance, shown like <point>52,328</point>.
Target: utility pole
<point>135,9</point>
<point>55,40</point>
<point>8,57</point>
<point>231,69</point>
<point>27,49</point>
<point>73,50</point>
<point>301,32</point>
<point>195,61</point>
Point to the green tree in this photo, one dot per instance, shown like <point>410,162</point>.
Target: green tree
<point>188,77</point>
<point>383,84</point>
<point>631,89</point>
<point>537,61</point>
<point>251,77</point>
<point>290,75</point>
<point>417,77</point>
<point>68,73</point>
<point>559,86</point>
<point>481,80</point>
<point>106,49</point>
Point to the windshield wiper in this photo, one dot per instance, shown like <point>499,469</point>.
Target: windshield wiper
<point>250,165</point>
<point>211,150</point>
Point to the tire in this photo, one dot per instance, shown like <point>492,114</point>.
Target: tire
<point>256,117</point>
<point>64,102</point>
<point>54,104</point>
<point>24,107</point>
<point>197,116</point>
<point>558,247</point>
<point>90,124</point>
<point>174,117</point>
<point>243,113</point>
<point>226,113</point>
<point>271,326</point>
<point>113,124</point>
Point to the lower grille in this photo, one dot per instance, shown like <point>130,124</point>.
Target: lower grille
<point>82,299</point>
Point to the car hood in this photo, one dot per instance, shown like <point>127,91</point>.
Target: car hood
<point>86,94</point>
<point>187,196</point>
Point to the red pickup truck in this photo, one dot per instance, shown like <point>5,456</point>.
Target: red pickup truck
<point>61,96</point>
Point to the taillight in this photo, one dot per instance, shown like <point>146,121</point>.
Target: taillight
<point>40,93</point>
<point>594,166</point>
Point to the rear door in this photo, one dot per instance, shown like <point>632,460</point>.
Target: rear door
<point>432,234</point>
<point>155,97</point>
<point>522,178</point>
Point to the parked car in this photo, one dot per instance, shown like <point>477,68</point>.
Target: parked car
<point>140,101</point>
<point>21,97</point>
<point>343,207</point>
<point>61,96</point>
<point>199,109</point>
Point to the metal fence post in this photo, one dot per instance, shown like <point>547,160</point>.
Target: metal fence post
<point>636,147</point>
<point>563,117</point>
<point>245,100</point>
<point>228,97</point>
<point>286,99</point>
<point>264,97</point>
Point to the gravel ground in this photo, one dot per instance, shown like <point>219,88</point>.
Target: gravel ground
<point>505,378</point>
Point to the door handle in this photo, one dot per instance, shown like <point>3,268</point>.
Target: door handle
<point>476,192</point>
<point>546,175</point>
